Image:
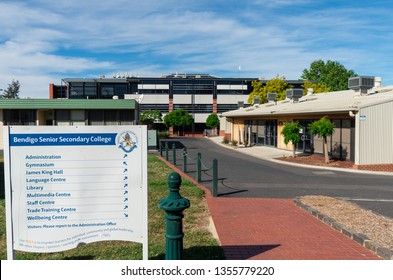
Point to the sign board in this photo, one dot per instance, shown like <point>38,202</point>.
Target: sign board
<point>70,186</point>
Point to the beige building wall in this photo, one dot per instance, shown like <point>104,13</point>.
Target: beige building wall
<point>238,127</point>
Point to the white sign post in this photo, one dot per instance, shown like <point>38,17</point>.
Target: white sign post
<point>69,186</point>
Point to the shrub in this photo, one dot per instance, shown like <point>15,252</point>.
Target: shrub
<point>163,134</point>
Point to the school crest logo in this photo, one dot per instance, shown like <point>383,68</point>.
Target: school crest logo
<point>127,141</point>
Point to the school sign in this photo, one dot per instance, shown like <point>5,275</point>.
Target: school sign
<point>69,186</point>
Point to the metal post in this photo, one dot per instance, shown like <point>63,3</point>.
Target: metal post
<point>174,204</point>
<point>185,160</point>
<point>215,177</point>
<point>166,151</point>
<point>160,143</point>
<point>174,153</point>
<point>199,167</point>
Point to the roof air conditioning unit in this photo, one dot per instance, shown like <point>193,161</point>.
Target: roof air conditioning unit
<point>240,104</point>
<point>271,96</point>
<point>361,82</point>
<point>256,101</point>
<point>294,93</point>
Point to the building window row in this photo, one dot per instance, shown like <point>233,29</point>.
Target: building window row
<point>195,108</point>
<point>221,108</point>
<point>163,108</point>
<point>19,117</point>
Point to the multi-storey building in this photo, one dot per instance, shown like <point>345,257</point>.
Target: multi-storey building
<point>199,94</point>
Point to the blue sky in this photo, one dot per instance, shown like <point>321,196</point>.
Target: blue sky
<point>43,41</point>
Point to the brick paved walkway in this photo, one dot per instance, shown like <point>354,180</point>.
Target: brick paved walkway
<point>276,229</point>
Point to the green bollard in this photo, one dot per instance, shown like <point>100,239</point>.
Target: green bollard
<point>199,167</point>
<point>185,160</point>
<point>174,153</point>
<point>215,178</point>
<point>174,204</point>
<point>160,149</point>
<point>166,151</point>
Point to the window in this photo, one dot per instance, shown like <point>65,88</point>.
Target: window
<point>195,108</point>
<point>76,90</point>
<point>90,91</point>
<point>19,117</point>
<point>193,87</point>
<point>62,117</point>
<point>221,108</point>
<point>83,90</point>
<point>107,91</point>
<point>163,108</point>
<point>111,117</point>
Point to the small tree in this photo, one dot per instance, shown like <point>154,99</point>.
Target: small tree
<point>178,118</point>
<point>149,117</point>
<point>12,90</point>
<point>323,128</point>
<point>213,122</point>
<point>290,132</point>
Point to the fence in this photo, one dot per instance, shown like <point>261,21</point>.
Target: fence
<point>165,151</point>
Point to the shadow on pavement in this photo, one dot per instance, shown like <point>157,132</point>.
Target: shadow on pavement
<point>234,252</point>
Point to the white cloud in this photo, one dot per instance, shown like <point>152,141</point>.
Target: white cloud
<point>55,39</point>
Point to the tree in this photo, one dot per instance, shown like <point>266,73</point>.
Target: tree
<point>331,74</point>
<point>178,118</point>
<point>277,85</point>
<point>213,122</point>
<point>317,87</point>
<point>149,117</point>
<point>290,132</point>
<point>12,90</point>
<point>323,128</point>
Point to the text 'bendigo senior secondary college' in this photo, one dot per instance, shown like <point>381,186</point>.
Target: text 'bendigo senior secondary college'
<point>77,185</point>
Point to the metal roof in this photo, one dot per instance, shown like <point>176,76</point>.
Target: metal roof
<point>67,104</point>
<point>329,102</point>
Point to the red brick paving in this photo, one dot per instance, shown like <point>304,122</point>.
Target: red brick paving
<point>276,229</point>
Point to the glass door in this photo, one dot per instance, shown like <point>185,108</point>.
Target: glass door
<point>271,133</point>
<point>305,145</point>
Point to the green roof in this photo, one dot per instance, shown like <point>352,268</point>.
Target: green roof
<point>67,104</point>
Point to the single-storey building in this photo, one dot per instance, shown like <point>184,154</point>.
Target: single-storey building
<point>79,112</point>
<point>363,118</point>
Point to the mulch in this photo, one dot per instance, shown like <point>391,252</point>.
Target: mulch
<point>318,160</point>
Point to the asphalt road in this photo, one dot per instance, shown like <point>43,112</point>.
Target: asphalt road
<point>246,176</point>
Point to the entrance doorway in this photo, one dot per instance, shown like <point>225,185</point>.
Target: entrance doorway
<point>263,132</point>
<point>305,145</point>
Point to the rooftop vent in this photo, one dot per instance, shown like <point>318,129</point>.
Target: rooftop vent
<point>240,104</point>
<point>294,93</point>
<point>256,101</point>
<point>361,82</point>
<point>271,96</point>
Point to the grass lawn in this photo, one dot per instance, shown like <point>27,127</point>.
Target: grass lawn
<point>199,244</point>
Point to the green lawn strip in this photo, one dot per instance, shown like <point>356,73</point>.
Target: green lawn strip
<point>199,244</point>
